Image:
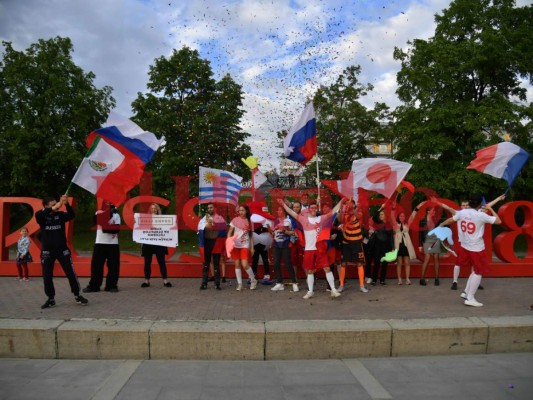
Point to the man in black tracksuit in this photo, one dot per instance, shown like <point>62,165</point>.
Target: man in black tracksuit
<point>54,247</point>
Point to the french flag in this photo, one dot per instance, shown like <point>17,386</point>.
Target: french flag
<point>300,143</point>
<point>503,160</point>
<point>118,154</point>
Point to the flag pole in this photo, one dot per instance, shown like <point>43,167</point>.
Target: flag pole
<point>318,182</point>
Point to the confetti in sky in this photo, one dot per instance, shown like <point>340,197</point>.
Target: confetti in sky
<point>279,51</point>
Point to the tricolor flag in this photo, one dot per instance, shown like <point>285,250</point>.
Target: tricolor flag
<point>115,162</point>
<point>300,143</point>
<point>219,186</point>
<point>380,175</point>
<point>503,160</point>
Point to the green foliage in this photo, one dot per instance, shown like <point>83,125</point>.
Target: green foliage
<point>344,126</point>
<point>198,115</point>
<point>461,92</point>
<point>48,107</point>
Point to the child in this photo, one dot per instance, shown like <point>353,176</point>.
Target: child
<point>23,254</point>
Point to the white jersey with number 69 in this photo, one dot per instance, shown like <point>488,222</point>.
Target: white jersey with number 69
<point>471,227</point>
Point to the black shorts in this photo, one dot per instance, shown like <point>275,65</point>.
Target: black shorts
<point>352,252</point>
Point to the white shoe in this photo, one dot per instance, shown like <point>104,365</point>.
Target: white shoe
<point>369,280</point>
<point>335,293</point>
<point>295,287</point>
<point>463,295</point>
<point>253,284</point>
<point>473,303</point>
<point>239,287</point>
<point>363,289</point>
<point>278,287</point>
<point>340,289</point>
<point>309,295</point>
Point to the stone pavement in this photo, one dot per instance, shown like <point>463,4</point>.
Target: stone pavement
<point>483,377</point>
<point>184,301</point>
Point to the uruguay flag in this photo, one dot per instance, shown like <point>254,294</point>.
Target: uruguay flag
<point>300,143</point>
<point>219,186</point>
<point>115,162</point>
<point>503,160</point>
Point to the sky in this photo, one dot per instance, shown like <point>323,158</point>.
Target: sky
<point>279,51</point>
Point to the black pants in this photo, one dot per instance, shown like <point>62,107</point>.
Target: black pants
<point>260,250</point>
<point>148,265</point>
<point>48,259</point>
<point>285,254</point>
<point>209,244</point>
<point>101,254</point>
<point>380,249</point>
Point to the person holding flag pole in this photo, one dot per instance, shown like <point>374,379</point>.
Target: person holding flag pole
<point>300,144</point>
<point>313,257</point>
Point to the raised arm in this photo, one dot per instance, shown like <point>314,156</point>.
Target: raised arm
<point>496,200</point>
<point>287,209</point>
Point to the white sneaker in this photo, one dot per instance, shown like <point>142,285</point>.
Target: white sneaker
<point>363,289</point>
<point>309,295</point>
<point>463,295</point>
<point>253,284</point>
<point>369,280</point>
<point>335,293</point>
<point>340,289</point>
<point>473,303</point>
<point>295,287</point>
<point>278,287</point>
<point>239,287</point>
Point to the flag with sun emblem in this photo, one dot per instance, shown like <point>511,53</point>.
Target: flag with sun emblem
<point>219,186</point>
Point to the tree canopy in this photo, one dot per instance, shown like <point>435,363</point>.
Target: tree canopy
<point>461,91</point>
<point>344,126</point>
<point>198,115</point>
<point>48,107</point>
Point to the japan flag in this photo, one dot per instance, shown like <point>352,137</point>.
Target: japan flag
<point>379,174</point>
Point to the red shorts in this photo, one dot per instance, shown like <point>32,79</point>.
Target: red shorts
<point>297,254</point>
<point>334,255</point>
<point>477,259</point>
<point>313,259</point>
<point>240,254</point>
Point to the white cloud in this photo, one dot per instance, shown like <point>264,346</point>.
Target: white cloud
<point>280,51</point>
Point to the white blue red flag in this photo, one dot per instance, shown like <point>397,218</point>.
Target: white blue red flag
<point>300,143</point>
<point>219,186</point>
<point>503,160</point>
<point>115,162</point>
<point>380,175</point>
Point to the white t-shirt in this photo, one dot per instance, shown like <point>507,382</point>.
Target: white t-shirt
<point>107,238</point>
<point>312,227</point>
<point>242,230</point>
<point>471,227</point>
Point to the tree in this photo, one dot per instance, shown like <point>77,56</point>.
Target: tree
<point>344,126</point>
<point>461,91</point>
<point>48,107</point>
<point>198,115</point>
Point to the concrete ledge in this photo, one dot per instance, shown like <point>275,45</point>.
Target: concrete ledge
<point>28,338</point>
<point>207,340</point>
<point>421,337</point>
<point>509,334</point>
<point>290,340</point>
<point>104,339</point>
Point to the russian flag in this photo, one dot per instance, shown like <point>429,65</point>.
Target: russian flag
<point>300,143</point>
<point>503,160</point>
<point>117,155</point>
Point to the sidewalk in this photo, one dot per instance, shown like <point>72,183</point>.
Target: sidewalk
<point>184,301</point>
